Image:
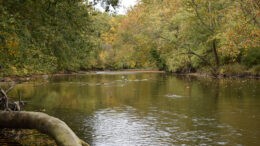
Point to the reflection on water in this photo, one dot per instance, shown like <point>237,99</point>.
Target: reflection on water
<point>124,127</point>
<point>151,108</point>
<point>173,96</point>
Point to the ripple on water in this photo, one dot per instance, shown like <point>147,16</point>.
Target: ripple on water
<point>146,109</point>
<point>124,127</point>
<point>173,96</point>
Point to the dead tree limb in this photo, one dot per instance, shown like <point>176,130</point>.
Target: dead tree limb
<point>6,104</point>
<point>213,70</point>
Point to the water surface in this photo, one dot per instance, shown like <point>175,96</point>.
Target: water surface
<point>116,109</point>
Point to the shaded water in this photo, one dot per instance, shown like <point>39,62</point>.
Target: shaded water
<point>151,108</point>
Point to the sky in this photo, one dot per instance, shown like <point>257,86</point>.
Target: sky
<point>124,6</point>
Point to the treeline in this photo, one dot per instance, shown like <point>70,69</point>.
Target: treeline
<point>49,36</point>
<point>212,36</point>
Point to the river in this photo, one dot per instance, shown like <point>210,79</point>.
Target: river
<point>128,108</point>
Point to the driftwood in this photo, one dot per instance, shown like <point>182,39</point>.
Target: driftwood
<point>6,104</point>
<point>12,117</point>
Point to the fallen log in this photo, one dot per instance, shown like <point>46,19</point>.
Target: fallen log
<point>42,122</point>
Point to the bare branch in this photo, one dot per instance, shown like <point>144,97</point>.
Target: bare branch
<point>6,104</point>
<point>172,42</point>
<point>199,17</point>
<point>9,89</point>
<point>203,59</point>
<point>5,98</point>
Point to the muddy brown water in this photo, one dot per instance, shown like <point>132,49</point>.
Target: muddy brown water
<point>128,108</point>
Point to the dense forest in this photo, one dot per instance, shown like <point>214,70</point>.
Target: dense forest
<point>56,36</point>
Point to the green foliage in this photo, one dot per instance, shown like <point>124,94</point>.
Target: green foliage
<point>255,70</point>
<point>186,35</point>
<point>107,3</point>
<point>232,69</point>
<point>47,36</point>
<point>44,36</point>
<point>252,57</point>
<point>160,62</point>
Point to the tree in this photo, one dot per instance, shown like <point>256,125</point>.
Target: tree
<point>183,36</point>
<point>41,36</point>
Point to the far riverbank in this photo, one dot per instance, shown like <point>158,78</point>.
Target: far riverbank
<point>46,76</point>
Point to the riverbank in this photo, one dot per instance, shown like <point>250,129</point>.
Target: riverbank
<point>46,76</point>
<point>220,76</point>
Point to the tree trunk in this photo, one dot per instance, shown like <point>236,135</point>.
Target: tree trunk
<point>42,122</point>
<point>214,50</point>
<point>214,45</point>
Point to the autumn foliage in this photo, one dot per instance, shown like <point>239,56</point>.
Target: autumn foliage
<point>50,36</point>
